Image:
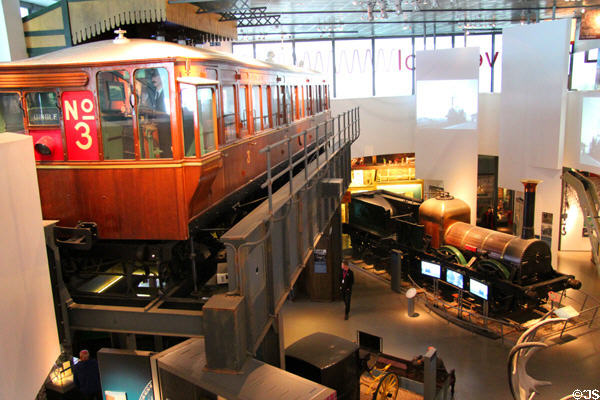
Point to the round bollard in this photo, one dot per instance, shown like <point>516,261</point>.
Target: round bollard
<point>411,295</point>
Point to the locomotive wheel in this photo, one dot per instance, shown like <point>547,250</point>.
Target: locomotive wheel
<point>454,253</point>
<point>495,267</point>
<point>387,388</point>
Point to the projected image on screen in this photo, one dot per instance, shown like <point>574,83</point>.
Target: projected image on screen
<point>478,289</point>
<point>431,269</point>
<point>589,153</point>
<point>454,278</point>
<point>447,104</point>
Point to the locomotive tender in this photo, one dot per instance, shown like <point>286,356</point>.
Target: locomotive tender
<point>516,271</point>
<point>144,148</point>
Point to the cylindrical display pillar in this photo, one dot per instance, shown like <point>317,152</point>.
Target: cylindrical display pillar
<point>529,208</point>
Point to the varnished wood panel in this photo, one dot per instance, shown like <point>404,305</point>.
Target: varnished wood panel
<point>137,203</point>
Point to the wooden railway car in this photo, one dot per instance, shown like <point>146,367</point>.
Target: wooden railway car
<point>151,141</point>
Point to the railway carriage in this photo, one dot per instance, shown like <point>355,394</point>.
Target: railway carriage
<point>152,143</point>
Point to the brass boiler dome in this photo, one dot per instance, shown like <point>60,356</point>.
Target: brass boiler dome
<point>532,255</point>
<point>439,213</point>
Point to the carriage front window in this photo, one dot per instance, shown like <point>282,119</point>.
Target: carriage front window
<point>206,112</point>
<point>114,92</point>
<point>188,104</point>
<point>11,113</point>
<point>153,112</point>
<point>42,108</point>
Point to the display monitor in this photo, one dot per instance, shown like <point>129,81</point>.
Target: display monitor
<point>589,153</point>
<point>454,278</point>
<point>447,104</point>
<point>431,269</point>
<point>478,289</point>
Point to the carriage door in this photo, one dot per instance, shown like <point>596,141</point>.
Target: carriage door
<point>79,117</point>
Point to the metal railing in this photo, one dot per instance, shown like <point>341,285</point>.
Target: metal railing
<point>348,128</point>
<point>586,305</point>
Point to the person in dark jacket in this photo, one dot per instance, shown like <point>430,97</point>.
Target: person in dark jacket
<point>346,287</point>
<point>86,376</point>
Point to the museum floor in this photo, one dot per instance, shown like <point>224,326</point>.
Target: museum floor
<point>480,363</point>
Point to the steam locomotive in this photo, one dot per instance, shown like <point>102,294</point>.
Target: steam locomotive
<point>438,242</point>
<point>147,150</point>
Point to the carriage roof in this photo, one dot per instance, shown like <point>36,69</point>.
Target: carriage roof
<point>140,51</point>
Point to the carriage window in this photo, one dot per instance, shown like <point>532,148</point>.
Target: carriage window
<point>188,105</point>
<point>11,113</point>
<point>318,97</point>
<point>243,108</point>
<point>289,104</point>
<point>309,101</point>
<point>229,113</point>
<point>256,108</point>
<point>297,103</point>
<point>115,115</point>
<point>153,116</point>
<point>42,108</point>
<point>274,106</point>
<point>206,111</point>
<point>265,108</point>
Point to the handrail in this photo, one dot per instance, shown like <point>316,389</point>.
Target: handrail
<point>325,144</point>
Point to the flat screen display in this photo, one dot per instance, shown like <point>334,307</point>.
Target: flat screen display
<point>431,269</point>
<point>447,104</point>
<point>589,153</point>
<point>478,289</point>
<point>454,278</point>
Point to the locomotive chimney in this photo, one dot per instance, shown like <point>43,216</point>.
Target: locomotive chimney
<point>529,208</point>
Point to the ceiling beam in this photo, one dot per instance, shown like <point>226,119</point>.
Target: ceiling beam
<point>436,10</point>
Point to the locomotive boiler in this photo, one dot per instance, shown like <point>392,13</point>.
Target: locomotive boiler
<point>507,271</point>
<point>147,151</point>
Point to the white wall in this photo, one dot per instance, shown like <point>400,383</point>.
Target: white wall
<point>12,39</point>
<point>28,326</point>
<point>533,108</point>
<point>387,124</point>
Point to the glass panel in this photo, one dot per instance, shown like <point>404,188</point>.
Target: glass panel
<point>42,108</point>
<point>243,50</point>
<point>279,53</point>
<point>243,109</point>
<point>229,113</point>
<point>256,107</point>
<point>484,42</point>
<point>354,72</point>
<point>429,44</point>
<point>316,56</point>
<point>459,41</point>
<point>153,116</point>
<point>443,42</point>
<point>274,106</point>
<point>188,105</point>
<point>265,107</point>
<point>206,110</point>
<point>116,121</point>
<point>393,60</point>
<point>498,63</point>
<point>11,113</point>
